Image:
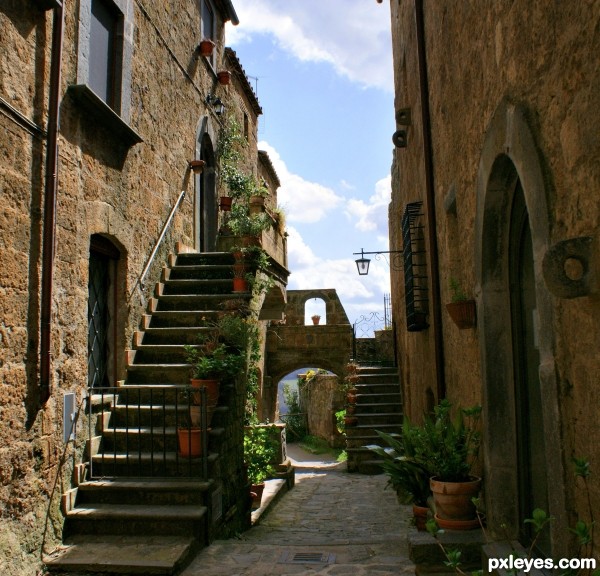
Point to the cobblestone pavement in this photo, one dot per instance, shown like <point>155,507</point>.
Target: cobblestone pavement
<point>331,523</point>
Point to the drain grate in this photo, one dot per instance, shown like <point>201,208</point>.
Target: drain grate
<point>306,558</point>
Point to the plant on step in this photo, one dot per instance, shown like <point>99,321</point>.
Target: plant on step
<point>351,377</point>
<point>408,477</point>
<point>448,447</point>
<point>219,362</point>
<point>261,446</point>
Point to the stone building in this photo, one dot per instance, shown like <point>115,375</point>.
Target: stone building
<point>104,104</point>
<point>496,194</point>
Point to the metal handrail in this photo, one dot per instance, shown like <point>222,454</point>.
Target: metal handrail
<point>140,280</point>
<point>119,418</point>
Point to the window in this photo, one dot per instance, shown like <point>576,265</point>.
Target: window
<point>104,57</point>
<point>103,50</point>
<point>207,26</point>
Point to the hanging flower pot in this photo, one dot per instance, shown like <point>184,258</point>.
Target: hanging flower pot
<point>463,313</point>
<point>206,47</point>
<point>224,77</point>
<point>225,203</point>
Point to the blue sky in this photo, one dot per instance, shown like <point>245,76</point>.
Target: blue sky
<point>322,71</point>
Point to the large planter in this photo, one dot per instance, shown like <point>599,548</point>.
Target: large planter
<point>453,501</point>
<point>240,285</point>
<point>212,386</point>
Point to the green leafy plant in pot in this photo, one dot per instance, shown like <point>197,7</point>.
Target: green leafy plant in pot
<point>408,477</point>
<point>260,454</point>
<point>448,447</point>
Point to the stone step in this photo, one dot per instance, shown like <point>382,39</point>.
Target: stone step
<point>378,388</point>
<point>151,465</point>
<point>173,335</point>
<point>169,520</point>
<point>181,318</point>
<point>158,373</point>
<point>196,302</point>
<point>196,287</point>
<point>192,271</point>
<point>124,554</point>
<point>203,259</point>
<point>146,492</point>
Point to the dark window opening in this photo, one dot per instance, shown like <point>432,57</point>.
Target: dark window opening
<point>103,51</point>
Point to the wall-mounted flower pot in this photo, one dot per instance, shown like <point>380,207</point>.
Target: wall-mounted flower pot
<point>224,77</point>
<point>225,203</point>
<point>463,313</point>
<point>206,47</point>
<point>197,166</point>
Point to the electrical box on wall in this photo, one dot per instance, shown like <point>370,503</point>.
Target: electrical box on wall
<point>69,414</point>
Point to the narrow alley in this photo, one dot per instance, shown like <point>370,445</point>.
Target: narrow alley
<point>331,523</point>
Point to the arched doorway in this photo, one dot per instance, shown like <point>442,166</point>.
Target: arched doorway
<point>523,464</point>
<point>206,202</point>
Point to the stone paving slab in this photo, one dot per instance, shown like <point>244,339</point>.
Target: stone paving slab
<point>331,513</point>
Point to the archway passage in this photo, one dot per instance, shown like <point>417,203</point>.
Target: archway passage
<point>292,345</point>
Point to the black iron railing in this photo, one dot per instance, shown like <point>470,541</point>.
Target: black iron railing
<point>148,431</point>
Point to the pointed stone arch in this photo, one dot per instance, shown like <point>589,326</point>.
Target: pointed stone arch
<point>509,154</point>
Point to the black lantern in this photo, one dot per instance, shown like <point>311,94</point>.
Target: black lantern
<point>362,264</point>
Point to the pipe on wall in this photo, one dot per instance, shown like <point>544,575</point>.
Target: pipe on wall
<point>50,188</point>
<point>430,208</point>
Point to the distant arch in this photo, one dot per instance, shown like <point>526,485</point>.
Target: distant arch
<point>205,189</point>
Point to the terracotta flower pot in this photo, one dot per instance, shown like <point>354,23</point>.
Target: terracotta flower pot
<point>420,514</point>
<point>224,77</point>
<point>350,420</point>
<point>212,386</point>
<point>463,313</point>
<point>453,500</point>
<point>240,285</point>
<point>206,47</point>
<point>225,203</point>
<point>315,319</point>
<point>256,491</point>
<point>190,442</point>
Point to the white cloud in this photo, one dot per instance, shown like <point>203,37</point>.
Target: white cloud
<point>372,215</point>
<point>303,201</point>
<point>352,35</point>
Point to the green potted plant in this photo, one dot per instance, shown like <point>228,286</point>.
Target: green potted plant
<point>448,447</point>
<point>260,454</point>
<point>462,309</point>
<point>408,477</point>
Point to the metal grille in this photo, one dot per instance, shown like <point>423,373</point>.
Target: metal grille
<point>289,557</point>
<point>415,268</point>
<point>98,319</point>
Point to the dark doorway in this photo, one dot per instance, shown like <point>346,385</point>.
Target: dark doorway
<point>531,460</point>
<point>207,194</point>
<point>102,305</point>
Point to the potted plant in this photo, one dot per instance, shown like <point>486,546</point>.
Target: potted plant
<point>189,430</point>
<point>408,477</point>
<point>448,447</point>
<point>315,319</point>
<point>462,309</point>
<point>260,454</point>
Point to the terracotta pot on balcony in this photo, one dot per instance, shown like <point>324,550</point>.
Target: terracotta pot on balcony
<point>224,77</point>
<point>206,47</point>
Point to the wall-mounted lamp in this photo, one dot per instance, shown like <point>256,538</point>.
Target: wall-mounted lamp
<point>196,166</point>
<point>362,263</point>
<point>216,103</point>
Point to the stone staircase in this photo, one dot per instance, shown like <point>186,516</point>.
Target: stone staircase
<point>139,507</point>
<point>378,407</point>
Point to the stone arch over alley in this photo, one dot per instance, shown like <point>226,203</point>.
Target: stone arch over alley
<point>291,344</point>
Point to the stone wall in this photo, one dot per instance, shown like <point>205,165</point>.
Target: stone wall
<point>321,397</point>
<point>511,85</point>
<point>121,190</point>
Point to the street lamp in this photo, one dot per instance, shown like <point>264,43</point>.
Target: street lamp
<point>362,263</point>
